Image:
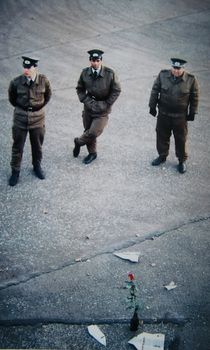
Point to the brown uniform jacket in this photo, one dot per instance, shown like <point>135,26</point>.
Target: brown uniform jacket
<point>175,97</point>
<point>98,95</point>
<point>29,101</point>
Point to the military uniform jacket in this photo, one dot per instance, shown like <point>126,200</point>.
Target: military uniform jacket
<point>29,101</point>
<point>98,94</point>
<point>175,97</point>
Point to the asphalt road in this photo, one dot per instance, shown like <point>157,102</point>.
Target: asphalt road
<point>57,269</point>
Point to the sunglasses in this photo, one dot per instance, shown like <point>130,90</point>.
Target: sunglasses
<point>95,60</point>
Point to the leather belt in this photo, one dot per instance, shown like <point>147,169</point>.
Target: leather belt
<point>30,109</point>
<point>97,99</point>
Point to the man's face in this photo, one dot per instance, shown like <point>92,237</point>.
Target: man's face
<point>177,72</point>
<point>29,72</point>
<point>95,63</point>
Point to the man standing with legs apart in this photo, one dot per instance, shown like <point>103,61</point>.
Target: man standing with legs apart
<point>176,94</point>
<point>97,88</point>
<point>28,93</point>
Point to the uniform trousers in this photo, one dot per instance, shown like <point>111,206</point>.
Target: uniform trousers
<point>164,128</point>
<point>94,127</point>
<point>19,137</point>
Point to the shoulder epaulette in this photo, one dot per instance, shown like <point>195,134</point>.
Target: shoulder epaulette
<point>108,69</point>
<point>190,75</point>
<point>17,78</point>
<point>85,69</point>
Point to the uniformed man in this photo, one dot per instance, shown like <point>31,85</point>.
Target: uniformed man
<point>176,94</point>
<point>97,88</point>
<point>28,93</point>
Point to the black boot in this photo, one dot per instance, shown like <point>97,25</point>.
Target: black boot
<point>14,178</point>
<point>182,168</point>
<point>76,149</point>
<point>158,160</point>
<point>89,158</point>
<point>39,172</point>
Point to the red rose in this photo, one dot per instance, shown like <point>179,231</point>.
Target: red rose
<point>131,276</point>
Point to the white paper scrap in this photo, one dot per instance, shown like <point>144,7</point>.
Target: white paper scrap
<point>171,285</point>
<point>97,334</point>
<point>148,341</point>
<point>132,256</point>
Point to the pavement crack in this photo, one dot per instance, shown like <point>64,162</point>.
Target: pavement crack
<point>138,240</point>
<point>115,31</point>
<point>158,234</point>
<point>83,322</point>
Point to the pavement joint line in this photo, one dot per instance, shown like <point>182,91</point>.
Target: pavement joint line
<point>24,279</point>
<point>80,322</point>
<point>58,44</point>
<point>136,77</point>
<point>122,80</point>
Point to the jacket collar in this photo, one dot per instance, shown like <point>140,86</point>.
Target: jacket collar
<point>24,79</point>
<point>183,77</point>
<point>101,73</point>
